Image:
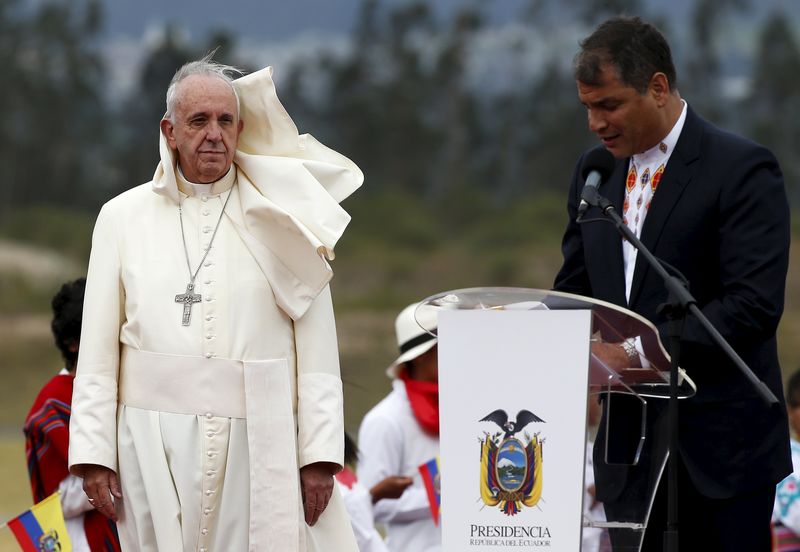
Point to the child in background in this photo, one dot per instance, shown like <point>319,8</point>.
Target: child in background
<point>47,434</point>
<point>786,515</point>
<point>358,500</point>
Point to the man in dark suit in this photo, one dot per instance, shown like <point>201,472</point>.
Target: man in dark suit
<point>712,205</point>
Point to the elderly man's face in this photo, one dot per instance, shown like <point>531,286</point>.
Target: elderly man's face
<point>206,128</point>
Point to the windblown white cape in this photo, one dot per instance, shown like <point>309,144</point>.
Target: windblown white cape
<point>207,425</point>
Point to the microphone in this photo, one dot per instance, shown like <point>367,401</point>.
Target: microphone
<point>597,165</point>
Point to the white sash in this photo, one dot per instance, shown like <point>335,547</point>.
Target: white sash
<point>258,391</point>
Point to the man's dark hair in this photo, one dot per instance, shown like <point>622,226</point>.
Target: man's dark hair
<point>67,315</point>
<point>635,48</point>
<point>793,390</point>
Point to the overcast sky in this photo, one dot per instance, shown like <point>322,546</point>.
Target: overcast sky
<point>268,20</point>
<point>273,20</point>
<point>275,32</point>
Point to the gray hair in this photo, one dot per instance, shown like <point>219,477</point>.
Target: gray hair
<point>205,66</point>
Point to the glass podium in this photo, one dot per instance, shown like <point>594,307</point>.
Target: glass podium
<point>626,450</point>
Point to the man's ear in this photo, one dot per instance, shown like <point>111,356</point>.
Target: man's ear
<point>659,88</point>
<point>168,129</point>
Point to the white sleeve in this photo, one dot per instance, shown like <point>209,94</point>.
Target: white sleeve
<point>358,503</point>
<point>320,410</point>
<point>73,499</point>
<point>640,349</point>
<point>93,423</point>
<point>380,442</point>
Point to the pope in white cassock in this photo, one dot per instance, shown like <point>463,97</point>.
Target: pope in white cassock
<point>207,409</point>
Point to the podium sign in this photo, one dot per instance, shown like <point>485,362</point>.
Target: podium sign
<point>512,392</point>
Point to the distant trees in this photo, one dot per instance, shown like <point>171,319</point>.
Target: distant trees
<point>773,104</point>
<point>405,103</point>
<point>53,116</point>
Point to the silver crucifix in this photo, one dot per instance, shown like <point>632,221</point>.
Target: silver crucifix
<point>187,299</point>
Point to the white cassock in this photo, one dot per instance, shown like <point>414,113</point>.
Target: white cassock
<point>207,425</point>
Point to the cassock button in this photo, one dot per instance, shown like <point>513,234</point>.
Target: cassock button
<point>209,355</point>
<point>209,493</point>
<point>209,336</point>
<point>210,473</point>
<point>209,318</point>
<point>208,263</point>
<point>209,415</point>
<point>208,299</point>
<point>204,198</point>
<point>206,229</point>
<point>210,454</point>
<point>207,511</point>
<point>206,212</point>
<point>210,434</point>
<point>204,531</point>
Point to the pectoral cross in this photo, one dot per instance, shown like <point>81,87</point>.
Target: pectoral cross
<point>187,299</point>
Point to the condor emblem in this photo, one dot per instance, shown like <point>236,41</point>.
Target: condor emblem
<point>511,465</point>
<point>49,542</point>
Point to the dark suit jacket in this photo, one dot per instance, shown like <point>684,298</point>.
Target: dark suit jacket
<point>720,216</point>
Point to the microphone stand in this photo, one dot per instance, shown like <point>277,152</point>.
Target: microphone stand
<point>679,302</point>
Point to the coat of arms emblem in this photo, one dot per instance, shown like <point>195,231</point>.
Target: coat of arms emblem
<point>50,542</point>
<point>511,465</point>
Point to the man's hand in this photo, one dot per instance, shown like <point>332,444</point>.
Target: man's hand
<point>391,487</point>
<point>611,354</point>
<point>316,482</point>
<point>592,490</point>
<point>101,486</point>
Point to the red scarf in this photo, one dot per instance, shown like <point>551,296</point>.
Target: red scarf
<point>424,399</point>
<point>346,477</point>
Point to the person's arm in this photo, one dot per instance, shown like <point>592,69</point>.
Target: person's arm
<point>380,442</point>
<point>572,277</point>
<point>753,252</point>
<point>73,499</point>
<point>320,413</point>
<point>390,487</point>
<point>93,426</point>
<point>358,502</point>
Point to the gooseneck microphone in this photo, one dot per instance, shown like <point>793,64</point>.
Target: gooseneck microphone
<point>597,165</point>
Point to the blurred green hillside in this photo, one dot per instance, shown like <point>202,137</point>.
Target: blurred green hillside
<point>465,180</point>
<point>396,250</point>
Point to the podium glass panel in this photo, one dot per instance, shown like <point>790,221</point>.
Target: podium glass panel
<point>626,450</point>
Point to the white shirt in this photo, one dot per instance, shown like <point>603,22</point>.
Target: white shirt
<point>644,174</point>
<point>358,502</point>
<point>392,442</point>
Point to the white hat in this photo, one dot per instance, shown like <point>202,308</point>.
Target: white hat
<point>412,339</point>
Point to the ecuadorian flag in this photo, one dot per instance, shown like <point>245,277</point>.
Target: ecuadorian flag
<point>42,527</point>
<point>430,476</point>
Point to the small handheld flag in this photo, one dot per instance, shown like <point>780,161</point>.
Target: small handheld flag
<point>430,476</point>
<point>42,527</point>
